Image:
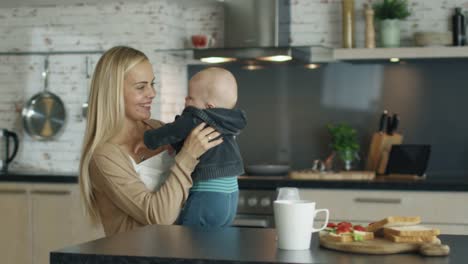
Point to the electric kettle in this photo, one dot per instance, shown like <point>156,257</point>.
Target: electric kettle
<point>6,155</point>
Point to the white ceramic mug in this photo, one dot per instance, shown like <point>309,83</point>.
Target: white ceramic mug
<point>294,222</point>
<point>288,193</point>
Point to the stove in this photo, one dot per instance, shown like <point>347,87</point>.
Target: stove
<point>255,209</point>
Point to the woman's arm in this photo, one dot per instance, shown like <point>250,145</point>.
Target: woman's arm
<point>117,179</point>
<point>121,184</point>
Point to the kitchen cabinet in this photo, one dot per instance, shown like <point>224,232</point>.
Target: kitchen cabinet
<point>14,228</point>
<point>444,210</point>
<point>42,217</point>
<point>401,53</point>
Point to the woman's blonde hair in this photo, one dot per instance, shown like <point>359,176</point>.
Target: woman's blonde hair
<point>106,112</point>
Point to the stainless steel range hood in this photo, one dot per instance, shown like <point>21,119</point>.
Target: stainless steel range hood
<point>256,29</point>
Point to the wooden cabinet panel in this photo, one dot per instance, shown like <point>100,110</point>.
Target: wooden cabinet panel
<point>52,220</point>
<point>58,220</point>
<point>444,210</point>
<point>15,246</point>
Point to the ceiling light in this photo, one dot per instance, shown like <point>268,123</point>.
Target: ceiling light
<point>252,67</point>
<point>394,59</point>
<point>312,66</point>
<point>276,58</point>
<point>216,59</point>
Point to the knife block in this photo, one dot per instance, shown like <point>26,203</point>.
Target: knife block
<point>379,150</point>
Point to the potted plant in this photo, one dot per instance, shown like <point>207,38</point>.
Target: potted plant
<point>344,143</point>
<point>389,13</point>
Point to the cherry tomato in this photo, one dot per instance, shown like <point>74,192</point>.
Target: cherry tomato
<point>347,224</point>
<point>343,229</point>
<point>359,228</point>
<point>331,225</point>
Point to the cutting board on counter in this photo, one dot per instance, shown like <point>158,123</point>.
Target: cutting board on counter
<point>339,176</point>
<point>380,246</point>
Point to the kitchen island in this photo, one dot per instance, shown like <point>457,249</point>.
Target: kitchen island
<point>178,244</point>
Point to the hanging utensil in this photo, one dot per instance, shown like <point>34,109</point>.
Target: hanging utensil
<point>84,106</point>
<point>44,114</point>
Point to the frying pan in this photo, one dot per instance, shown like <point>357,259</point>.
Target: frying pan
<point>44,114</point>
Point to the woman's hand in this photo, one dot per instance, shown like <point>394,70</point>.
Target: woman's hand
<point>201,139</point>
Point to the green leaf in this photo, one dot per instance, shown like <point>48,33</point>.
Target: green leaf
<point>392,9</point>
<point>344,140</point>
<point>357,237</point>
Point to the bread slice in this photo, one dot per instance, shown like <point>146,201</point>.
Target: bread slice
<point>341,238</point>
<point>412,239</point>
<point>348,237</point>
<point>394,221</point>
<point>411,231</point>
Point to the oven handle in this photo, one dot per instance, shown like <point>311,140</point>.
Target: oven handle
<point>251,222</point>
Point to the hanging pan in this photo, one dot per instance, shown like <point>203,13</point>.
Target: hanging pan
<point>44,114</point>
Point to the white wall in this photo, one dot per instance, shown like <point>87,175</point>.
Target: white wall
<point>144,25</point>
<point>319,21</point>
<point>157,24</point>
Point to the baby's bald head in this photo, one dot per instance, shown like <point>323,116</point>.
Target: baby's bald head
<point>213,87</point>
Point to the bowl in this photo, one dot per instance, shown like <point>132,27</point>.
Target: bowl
<point>267,169</point>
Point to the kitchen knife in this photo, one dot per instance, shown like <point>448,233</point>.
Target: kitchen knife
<point>389,125</point>
<point>383,121</point>
<point>395,122</point>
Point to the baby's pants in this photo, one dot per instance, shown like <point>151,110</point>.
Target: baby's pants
<point>209,209</point>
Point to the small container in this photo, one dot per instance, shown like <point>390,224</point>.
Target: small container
<point>348,23</point>
<point>458,28</point>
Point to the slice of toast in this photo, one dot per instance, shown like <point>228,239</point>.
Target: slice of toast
<point>411,231</point>
<point>394,221</point>
<point>412,239</point>
<point>341,238</point>
<point>349,237</point>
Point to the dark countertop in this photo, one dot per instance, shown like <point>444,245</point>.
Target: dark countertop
<point>380,183</point>
<point>38,178</point>
<point>273,182</point>
<point>178,244</point>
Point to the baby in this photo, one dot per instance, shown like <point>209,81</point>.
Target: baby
<point>212,97</point>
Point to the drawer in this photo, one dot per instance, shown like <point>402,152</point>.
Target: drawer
<point>368,206</point>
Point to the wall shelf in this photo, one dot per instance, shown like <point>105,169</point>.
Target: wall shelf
<point>47,53</point>
<point>401,53</point>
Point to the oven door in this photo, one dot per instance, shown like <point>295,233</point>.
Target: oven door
<point>254,221</point>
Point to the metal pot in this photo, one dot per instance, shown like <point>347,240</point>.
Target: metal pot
<point>44,114</point>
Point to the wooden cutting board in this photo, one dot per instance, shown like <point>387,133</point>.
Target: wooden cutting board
<point>380,246</point>
<point>329,176</point>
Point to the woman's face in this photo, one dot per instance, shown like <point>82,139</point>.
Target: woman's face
<point>139,91</point>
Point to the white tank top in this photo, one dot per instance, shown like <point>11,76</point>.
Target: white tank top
<point>155,170</point>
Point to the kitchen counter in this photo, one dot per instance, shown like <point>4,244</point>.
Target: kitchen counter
<point>273,182</point>
<point>38,178</point>
<point>380,183</point>
<point>178,244</point>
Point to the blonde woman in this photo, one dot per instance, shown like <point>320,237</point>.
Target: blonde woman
<point>111,178</point>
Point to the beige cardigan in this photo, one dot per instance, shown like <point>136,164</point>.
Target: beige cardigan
<point>122,199</point>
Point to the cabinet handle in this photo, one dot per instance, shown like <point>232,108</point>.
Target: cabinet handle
<point>12,191</point>
<point>378,200</point>
<point>50,192</point>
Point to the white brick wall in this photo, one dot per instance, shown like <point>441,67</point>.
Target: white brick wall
<point>156,24</point>
<point>319,21</point>
<point>147,26</point>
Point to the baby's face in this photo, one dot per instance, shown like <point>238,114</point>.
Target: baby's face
<point>195,98</point>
